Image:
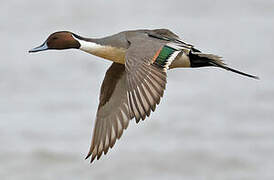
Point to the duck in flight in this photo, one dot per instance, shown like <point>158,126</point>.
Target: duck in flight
<point>136,80</point>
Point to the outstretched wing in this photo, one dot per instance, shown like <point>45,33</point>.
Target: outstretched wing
<point>130,90</point>
<point>113,112</point>
<point>146,65</point>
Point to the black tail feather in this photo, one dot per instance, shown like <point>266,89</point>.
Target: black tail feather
<point>198,59</point>
<point>234,70</point>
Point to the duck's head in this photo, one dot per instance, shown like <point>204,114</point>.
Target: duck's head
<point>58,40</point>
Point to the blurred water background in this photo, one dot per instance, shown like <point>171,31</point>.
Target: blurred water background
<point>211,124</point>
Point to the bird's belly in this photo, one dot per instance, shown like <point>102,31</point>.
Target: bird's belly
<point>180,61</point>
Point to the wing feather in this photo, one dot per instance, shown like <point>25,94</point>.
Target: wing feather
<point>113,115</point>
<point>129,91</point>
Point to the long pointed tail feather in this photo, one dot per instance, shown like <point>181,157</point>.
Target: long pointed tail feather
<point>200,59</point>
<point>234,70</point>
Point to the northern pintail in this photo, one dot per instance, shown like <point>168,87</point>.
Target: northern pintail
<point>136,80</point>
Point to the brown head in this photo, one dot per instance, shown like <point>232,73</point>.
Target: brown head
<point>58,40</point>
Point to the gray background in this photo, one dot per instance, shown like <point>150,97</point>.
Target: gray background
<point>211,124</point>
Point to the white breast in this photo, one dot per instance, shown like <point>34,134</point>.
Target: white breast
<point>107,52</point>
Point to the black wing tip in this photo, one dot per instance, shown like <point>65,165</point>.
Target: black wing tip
<point>87,156</point>
<point>92,158</point>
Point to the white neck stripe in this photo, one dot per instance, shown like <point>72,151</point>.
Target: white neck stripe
<point>87,46</point>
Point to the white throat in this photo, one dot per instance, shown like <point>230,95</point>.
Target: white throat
<point>89,47</point>
<point>107,52</point>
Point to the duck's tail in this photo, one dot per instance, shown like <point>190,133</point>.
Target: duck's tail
<point>198,59</point>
